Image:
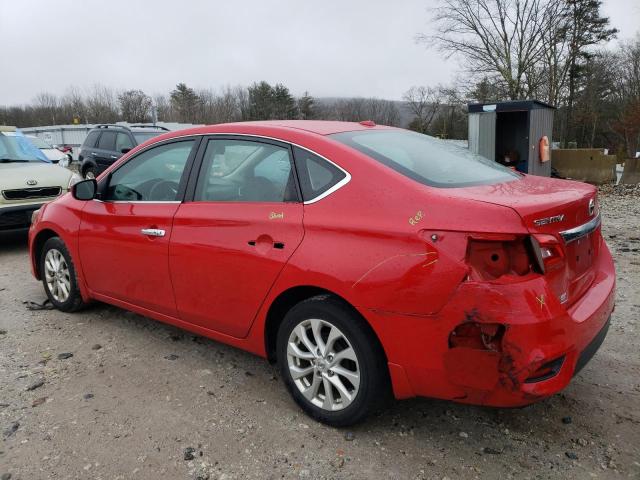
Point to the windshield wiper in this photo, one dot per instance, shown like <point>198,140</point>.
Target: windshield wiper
<point>7,160</point>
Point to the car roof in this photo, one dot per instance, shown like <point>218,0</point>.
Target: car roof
<point>320,127</point>
<point>275,128</point>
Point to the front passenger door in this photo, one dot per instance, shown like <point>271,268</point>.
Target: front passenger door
<point>124,237</point>
<point>230,243</point>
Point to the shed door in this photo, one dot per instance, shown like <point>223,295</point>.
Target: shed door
<point>482,134</point>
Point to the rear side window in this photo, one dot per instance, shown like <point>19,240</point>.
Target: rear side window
<point>245,171</point>
<point>123,141</point>
<point>426,159</point>
<point>107,141</point>
<point>91,139</point>
<point>317,176</point>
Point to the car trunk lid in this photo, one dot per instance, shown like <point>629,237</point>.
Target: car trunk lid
<point>557,211</point>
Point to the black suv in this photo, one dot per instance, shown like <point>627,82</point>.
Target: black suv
<point>107,143</point>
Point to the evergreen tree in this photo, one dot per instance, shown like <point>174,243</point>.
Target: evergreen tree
<point>185,101</point>
<point>306,107</point>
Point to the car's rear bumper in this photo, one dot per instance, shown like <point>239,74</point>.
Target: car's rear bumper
<point>544,344</point>
<point>14,217</point>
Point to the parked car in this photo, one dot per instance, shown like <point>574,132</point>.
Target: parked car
<point>52,153</point>
<point>364,260</point>
<point>27,179</point>
<point>105,144</point>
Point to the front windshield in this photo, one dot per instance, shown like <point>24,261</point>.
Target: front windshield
<point>428,160</point>
<point>15,147</point>
<point>39,143</point>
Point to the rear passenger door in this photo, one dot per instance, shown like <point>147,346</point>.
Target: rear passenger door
<point>234,236</point>
<point>104,153</point>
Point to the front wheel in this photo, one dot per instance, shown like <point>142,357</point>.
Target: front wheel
<point>331,361</point>
<point>59,276</point>
<point>89,173</point>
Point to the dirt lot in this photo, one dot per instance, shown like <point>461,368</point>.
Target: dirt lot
<point>138,399</point>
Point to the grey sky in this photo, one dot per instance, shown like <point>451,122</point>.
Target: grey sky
<point>328,47</point>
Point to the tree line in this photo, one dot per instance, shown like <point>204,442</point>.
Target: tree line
<point>259,101</point>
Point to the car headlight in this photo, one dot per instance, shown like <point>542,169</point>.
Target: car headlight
<point>34,216</point>
<point>75,178</point>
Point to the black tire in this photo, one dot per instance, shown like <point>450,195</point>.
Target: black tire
<point>373,391</point>
<point>89,169</point>
<point>74,300</point>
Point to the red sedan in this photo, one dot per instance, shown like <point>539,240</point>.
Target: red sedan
<point>364,260</point>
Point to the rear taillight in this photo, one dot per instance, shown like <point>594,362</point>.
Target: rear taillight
<point>496,256</point>
<point>492,258</point>
<point>547,251</point>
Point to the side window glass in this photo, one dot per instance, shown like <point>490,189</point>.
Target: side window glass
<point>123,141</point>
<point>245,171</point>
<point>91,139</point>
<point>316,174</point>
<point>107,141</point>
<point>152,176</point>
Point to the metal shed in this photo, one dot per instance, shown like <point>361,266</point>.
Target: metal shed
<point>511,133</point>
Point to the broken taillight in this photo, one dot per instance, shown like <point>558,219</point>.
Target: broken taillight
<point>493,257</point>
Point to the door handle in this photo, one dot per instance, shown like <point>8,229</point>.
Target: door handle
<point>93,153</point>
<point>153,232</point>
<point>114,157</point>
<point>278,245</point>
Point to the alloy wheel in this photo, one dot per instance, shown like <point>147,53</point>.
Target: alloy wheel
<point>57,275</point>
<point>323,364</point>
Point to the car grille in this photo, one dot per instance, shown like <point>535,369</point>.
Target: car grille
<point>26,193</point>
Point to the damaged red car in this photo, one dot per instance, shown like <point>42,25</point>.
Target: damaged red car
<point>367,261</point>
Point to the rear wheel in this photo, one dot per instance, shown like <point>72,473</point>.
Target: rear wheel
<point>331,362</point>
<point>59,276</point>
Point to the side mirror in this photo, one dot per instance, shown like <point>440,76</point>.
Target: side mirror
<point>85,190</point>
<point>125,150</point>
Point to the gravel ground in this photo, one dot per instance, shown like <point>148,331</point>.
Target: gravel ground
<point>107,394</point>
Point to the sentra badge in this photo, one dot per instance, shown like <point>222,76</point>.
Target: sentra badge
<point>547,220</point>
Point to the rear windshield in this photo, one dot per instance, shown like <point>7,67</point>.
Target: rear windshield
<point>142,137</point>
<point>428,160</point>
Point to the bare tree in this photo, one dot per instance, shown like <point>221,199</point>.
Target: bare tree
<point>424,104</point>
<point>101,105</point>
<point>164,111</point>
<point>45,107</point>
<point>495,37</point>
<point>135,106</point>
<point>73,105</point>
<point>627,97</point>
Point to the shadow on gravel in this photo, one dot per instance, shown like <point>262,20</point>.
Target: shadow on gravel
<point>13,241</point>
